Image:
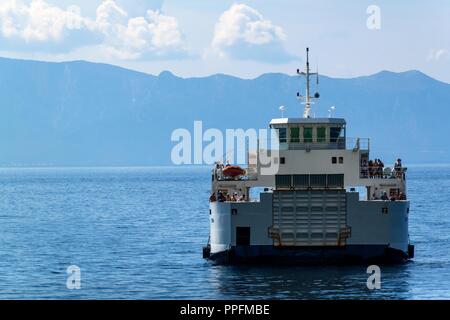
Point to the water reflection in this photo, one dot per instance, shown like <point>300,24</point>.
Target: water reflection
<point>324,282</point>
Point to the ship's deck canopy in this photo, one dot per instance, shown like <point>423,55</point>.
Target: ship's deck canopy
<point>329,121</point>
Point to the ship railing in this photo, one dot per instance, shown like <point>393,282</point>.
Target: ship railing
<point>387,173</point>
<point>327,143</point>
<point>238,200</point>
<point>357,143</point>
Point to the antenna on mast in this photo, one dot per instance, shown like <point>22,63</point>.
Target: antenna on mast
<point>307,99</point>
<point>317,76</point>
<point>330,111</point>
<point>282,109</point>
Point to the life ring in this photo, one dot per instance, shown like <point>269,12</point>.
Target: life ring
<point>233,171</point>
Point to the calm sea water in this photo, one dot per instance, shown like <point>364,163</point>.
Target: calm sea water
<point>137,234</point>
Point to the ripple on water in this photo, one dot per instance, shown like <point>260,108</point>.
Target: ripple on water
<point>137,234</point>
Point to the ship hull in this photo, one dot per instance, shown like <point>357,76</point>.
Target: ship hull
<point>351,254</point>
<point>266,232</point>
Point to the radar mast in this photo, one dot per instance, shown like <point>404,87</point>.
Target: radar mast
<point>307,99</point>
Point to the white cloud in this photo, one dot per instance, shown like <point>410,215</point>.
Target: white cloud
<point>243,33</point>
<point>38,21</point>
<point>154,35</point>
<point>437,54</point>
<point>137,8</point>
<point>39,26</point>
<point>110,16</point>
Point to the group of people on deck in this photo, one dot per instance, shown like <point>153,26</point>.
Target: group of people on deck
<point>226,197</point>
<point>375,169</point>
<point>398,168</point>
<point>372,168</point>
<point>384,196</point>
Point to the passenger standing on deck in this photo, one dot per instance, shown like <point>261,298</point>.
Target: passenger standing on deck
<point>375,168</point>
<point>379,168</point>
<point>398,168</point>
<point>221,197</point>
<point>370,169</point>
<point>218,172</point>
<point>381,164</point>
<point>375,195</point>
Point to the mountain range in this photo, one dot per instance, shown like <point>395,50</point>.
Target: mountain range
<point>87,114</point>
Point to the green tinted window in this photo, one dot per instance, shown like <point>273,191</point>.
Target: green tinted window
<point>282,135</point>
<point>334,134</point>
<point>295,134</point>
<point>321,134</point>
<point>307,135</point>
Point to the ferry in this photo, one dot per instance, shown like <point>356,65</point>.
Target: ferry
<point>328,202</point>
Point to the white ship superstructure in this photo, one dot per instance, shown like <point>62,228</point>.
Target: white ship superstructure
<point>311,209</point>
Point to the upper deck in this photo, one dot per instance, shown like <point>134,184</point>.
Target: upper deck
<point>315,134</point>
<point>313,154</point>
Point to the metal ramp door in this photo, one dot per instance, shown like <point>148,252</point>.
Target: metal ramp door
<point>309,218</point>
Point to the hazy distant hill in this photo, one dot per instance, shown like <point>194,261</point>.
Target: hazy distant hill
<point>80,113</point>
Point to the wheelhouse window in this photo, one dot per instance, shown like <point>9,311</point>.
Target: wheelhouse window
<point>282,135</point>
<point>321,134</point>
<point>295,135</point>
<point>307,135</point>
<point>335,133</point>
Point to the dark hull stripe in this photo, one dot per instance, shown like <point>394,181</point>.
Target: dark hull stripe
<point>351,254</point>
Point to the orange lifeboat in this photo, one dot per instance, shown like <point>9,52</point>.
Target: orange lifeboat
<point>233,171</point>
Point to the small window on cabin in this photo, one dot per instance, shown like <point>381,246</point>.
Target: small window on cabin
<point>321,134</point>
<point>341,160</point>
<point>282,160</point>
<point>295,135</point>
<point>334,134</point>
<point>307,135</point>
<point>282,135</point>
<point>333,160</point>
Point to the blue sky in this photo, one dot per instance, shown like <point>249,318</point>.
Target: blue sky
<point>242,38</point>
